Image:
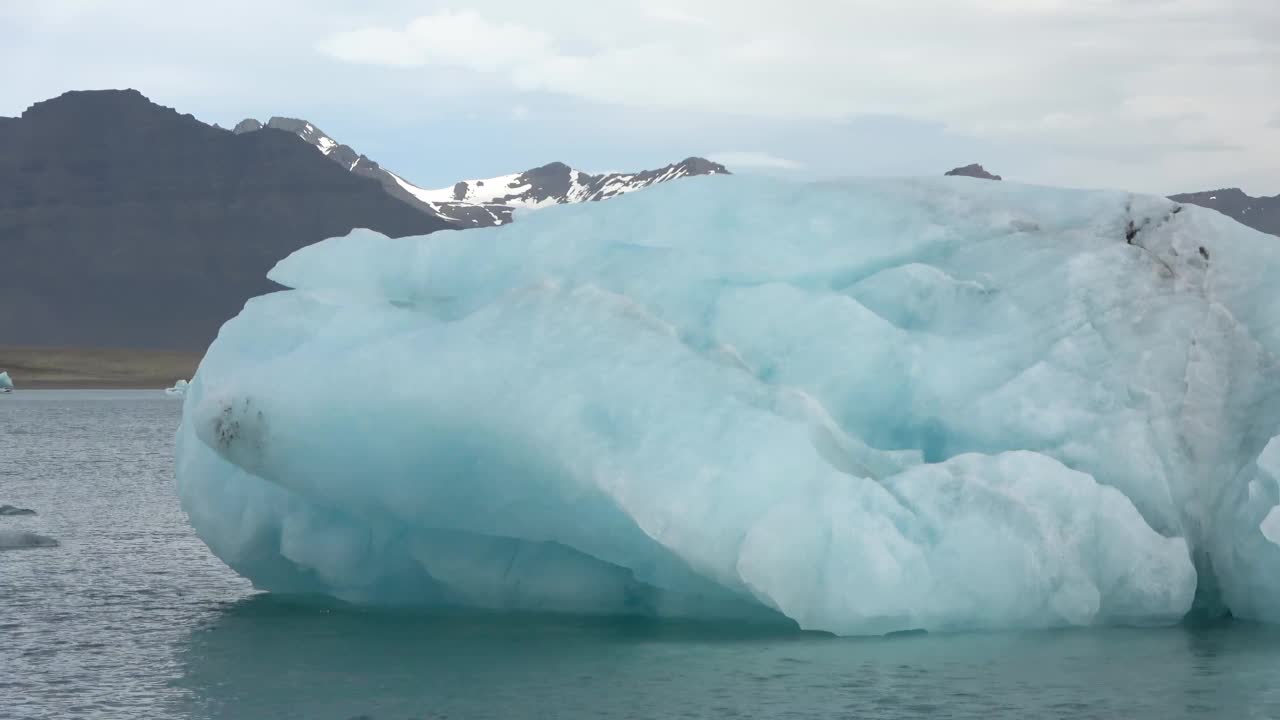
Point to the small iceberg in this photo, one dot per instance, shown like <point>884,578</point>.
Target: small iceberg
<point>179,389</point>
<point>10,510</point>
<point>21,540</point>
<point>6,383</point>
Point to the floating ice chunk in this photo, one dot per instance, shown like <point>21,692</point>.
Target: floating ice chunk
<point>179,389</point>
<point>21,540</point>
<point>6,382</point>
<point>11,510</point>
<point>864,406</point>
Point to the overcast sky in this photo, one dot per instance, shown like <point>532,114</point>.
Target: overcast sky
<point>1149,95</point>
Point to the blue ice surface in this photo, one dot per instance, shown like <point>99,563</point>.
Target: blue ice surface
<point>863,406</point>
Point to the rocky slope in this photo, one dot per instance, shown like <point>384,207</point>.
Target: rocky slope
<point>974,171</point>
<point>124,223</point>
<point>1259,213</point>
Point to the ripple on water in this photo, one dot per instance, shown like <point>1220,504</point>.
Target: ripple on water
<point>132,618</point>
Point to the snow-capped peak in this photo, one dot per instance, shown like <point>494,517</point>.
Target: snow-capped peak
<point>559,184</point>
<point>490,201</point>
<point>304,130</point>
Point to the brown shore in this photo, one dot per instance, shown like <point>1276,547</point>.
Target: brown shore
<point>90,368</point>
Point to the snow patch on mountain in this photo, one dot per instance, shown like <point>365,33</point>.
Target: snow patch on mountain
<point>559,184</point>
<point>484,202</point>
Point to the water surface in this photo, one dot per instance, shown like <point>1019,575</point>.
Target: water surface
<point>131,617</point>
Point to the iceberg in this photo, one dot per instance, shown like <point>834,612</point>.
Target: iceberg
<point>6,382</point>
<point>179,389</point>
<point>860,407</point>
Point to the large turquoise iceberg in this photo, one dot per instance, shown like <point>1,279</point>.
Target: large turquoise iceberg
<point>862,407</point>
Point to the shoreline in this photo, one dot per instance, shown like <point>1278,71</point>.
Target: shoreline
<point>76,385</point>
<point>96,368</point>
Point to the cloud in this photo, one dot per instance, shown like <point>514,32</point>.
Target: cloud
<point>674,15</point>
<point>1117,81</point>
<point>751,159</point>
<point>972,63</point>
<point>1132,92</point>
<point>461,39</point>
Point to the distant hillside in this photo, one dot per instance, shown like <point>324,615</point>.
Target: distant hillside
<point>37,368</point>
<point>974,171</point>
<point>126,224</point>
<point>1260,213</point>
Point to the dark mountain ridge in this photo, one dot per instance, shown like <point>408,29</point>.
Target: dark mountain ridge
<point>124,223</point>
<point>974,171</point>
<point>1260,213</point>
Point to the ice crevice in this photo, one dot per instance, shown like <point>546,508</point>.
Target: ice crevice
<point>860,407</point>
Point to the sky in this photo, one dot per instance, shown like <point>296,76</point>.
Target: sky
<point>1154,96</point>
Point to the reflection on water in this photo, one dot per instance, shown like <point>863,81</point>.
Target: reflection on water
<point>132,618</point>
<point>265,657</point>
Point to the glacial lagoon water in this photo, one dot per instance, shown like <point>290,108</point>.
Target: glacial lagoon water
<point>131,617</point>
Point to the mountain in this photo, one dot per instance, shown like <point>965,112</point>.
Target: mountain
<point>489,201</point>
<point>558,184</point>
<point>975,171</point>
<point>1259,213</point>
<point>127,224</point>
<point>459,215</point>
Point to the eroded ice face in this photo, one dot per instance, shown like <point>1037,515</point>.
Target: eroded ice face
<point>864,406</point>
